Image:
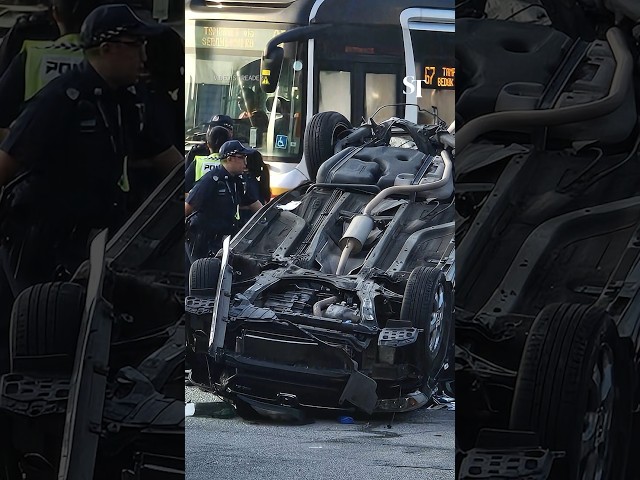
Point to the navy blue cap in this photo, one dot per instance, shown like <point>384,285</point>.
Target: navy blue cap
<point>221,121</point>
<point>110,21</point>
<point>234,146</point>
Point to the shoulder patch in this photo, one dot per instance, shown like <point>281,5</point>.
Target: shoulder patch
<point>72,93</point>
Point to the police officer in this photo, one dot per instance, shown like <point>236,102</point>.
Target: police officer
<point>213,205</point>
<point>201,164</point>
<point>40,61</point>
<point>224,121</point>
<point>202,149</point>
<point>67,154</point>
<point>37,25</point>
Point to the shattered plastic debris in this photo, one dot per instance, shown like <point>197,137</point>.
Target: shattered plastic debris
<point>290,206</point>
<point>346,420</point>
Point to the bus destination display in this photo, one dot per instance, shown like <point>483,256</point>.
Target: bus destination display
<point>439,77</point>
<point>233,38</point>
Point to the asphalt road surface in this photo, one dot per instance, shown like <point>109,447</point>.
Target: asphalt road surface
<point>418,445</point>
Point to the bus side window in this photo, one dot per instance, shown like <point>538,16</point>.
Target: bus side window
<point>334,92</point>
<point>380,90</point>
<point>442,100</point>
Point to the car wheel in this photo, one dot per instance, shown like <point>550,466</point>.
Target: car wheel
<point>427,305</point>
<point>203,277</point>
<point>46,320</point>
<point>320,138</point>
<point>573,390</point>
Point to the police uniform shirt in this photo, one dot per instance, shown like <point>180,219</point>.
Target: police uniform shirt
<point>215,199</point>
<point>74,136</point>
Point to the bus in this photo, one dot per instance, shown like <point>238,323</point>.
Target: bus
<point>272,64</point>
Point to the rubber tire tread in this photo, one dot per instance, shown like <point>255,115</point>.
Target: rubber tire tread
<point>319,139</point>
<point>46,319</point>
<point>203,277</point>
<point>420,286</point>
<point>555,364</point>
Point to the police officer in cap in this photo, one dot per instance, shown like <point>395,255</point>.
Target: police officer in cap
<point>36,25</point>
<point>64,163</point>
<point>213,205</point>
<point>40,61</point>
<point>223,121</point>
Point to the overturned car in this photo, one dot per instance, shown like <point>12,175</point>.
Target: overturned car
<point>337,294</point>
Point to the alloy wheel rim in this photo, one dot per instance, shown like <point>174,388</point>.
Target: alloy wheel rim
<point>435,322</point>
<point>595,449</point>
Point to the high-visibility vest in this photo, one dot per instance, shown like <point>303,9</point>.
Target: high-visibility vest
<point>205,163</point>
<point>46,60</point>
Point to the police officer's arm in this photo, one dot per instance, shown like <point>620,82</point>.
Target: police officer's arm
<point>195,198</point>
<point>40,120</point>
<point>8,167</point>
<point>12,91</point>
<point>190,177</point>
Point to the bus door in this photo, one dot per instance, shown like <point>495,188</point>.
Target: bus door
<point>358,89</point>
<point>357,70</point>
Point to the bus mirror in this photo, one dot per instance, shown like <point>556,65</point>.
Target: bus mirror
<point>270,66</point>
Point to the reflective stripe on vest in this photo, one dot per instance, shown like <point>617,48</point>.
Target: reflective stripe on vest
<point>48,60</point>
<point>205,163</point>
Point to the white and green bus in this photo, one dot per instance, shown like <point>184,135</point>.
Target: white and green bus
<point>272,64</point>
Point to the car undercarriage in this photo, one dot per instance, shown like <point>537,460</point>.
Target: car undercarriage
<point>318,302</point>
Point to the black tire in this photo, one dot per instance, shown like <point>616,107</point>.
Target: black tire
<point>203,277</point>
<point>427,305</point>
<point>558,395</point>
<point>46,320</point>
<point>320,137</point>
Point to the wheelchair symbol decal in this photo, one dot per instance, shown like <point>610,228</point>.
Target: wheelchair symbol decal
<point>282,141</point>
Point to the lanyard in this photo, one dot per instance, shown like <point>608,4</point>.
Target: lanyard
<point>123,182</point>
<point>234,195</point>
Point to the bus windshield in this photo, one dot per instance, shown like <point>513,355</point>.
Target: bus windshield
<point>222,74</point>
